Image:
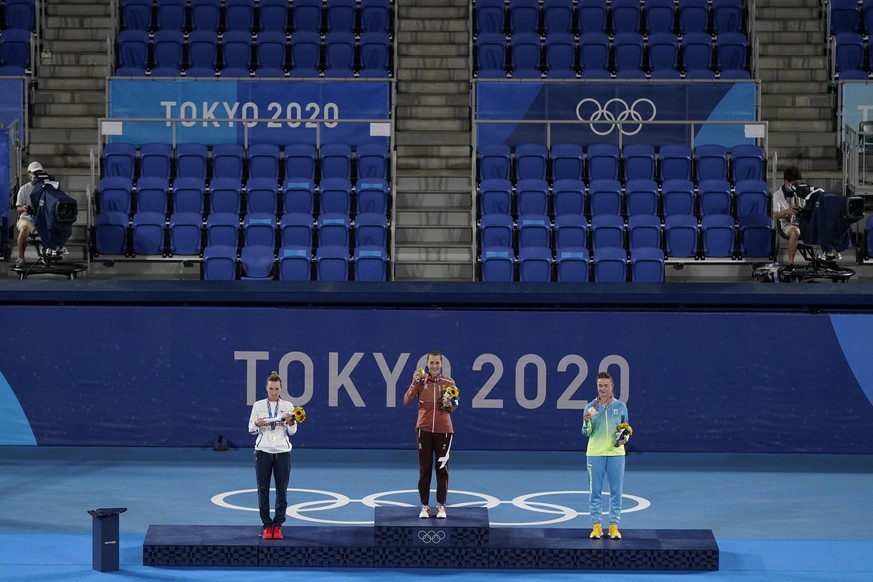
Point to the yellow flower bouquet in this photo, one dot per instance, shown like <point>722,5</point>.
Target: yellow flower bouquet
<point>299,414</point>
<point>450,397</point>
<point>622,433</point>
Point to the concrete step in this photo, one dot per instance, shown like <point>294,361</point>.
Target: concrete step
<point>807,139</point>
<point>432,74</point>
<point>432,112</point>
<point>809,126</point>
<point>415,254</point>
<point>433,234</point>
<point>433,124</point>
<point>80,8</point>
<point>444,218</point>
<point>405,137</point>
<point>811,100</point>
<point>77,34</point>
<point>435,151</point>
<point>54,159</point>
<point>433,25</point>
<point>58,96</point>
<point>70,84</point>
<point>793,62</point>
<point>789,25</point>
<point>432,12</point>
<point>427,182</point>
<point>776,49</point>
<point>418,200</point>
<point>65,123</point>
<point>93,110</point>
<point>798,113</point>
<point>430,87</point>
<point>76,57</point>
<point>801,157</point>
<point>435,62</point>
<point>448,163</point>
<point>416,100</point>
<point>75,72</point>
<point>433,50</point>
<point>67,136</point>
<point>73,22</point>
<point>434,272</point>
<point>429,37</point>
<point>797,75</point>
<point>778,12</point>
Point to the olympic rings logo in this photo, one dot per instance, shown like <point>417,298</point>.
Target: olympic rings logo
<point>556,512</point>
<point>431,537</point>
<point>606,115</point>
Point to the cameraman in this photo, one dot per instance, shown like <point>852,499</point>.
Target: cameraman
<point>25,212</point>
<point>786,206</point>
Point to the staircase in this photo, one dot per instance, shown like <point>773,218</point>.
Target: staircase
<point>433,219</point>
<point>796,96</point>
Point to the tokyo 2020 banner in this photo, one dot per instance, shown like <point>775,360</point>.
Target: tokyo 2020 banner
<point>597,106</point>
<point>277,112</point>
<point>148,376</point>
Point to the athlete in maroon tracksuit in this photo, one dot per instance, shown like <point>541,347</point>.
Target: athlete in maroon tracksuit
<point>433,431</point>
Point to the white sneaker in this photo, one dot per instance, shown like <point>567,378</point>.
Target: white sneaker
<point>19,262</point>
<point>441,511</point>
<point>425,512</point>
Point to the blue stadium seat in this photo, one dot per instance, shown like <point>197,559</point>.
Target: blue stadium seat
<point>119,159</point>
<point>566,161</point>
<point>205,15</point>
<point>375,16</point>
<point>155,159</point>
<point>674,162</point>
<point>641,197</point>
<point>273,15</point>
<point>228,160</point>
<point>710,162</point>
<point>610,265</point>
<point>236,51</point>
<point>186,233</point>
<point>269,73</point>
<point>295,263</point>
<point>335,195</point>
<point>558,17</point>
<point>756,235</point>
<point>531,161</point>
<point>133,49</point>
<point>371,264</point>
<point>202,50</point>
<point>334,230</point>
<point>371,230</point>
<point>663,51</point>
<point>491,56</point>
<point>371,195</point>
<point>738,74</point>
<point>256,263</point>
<point>571,231</point>
<point>171,15</point>
<point>560,55</point>
<point>647,265</point>
<point>259,229</point>
<point>239,15</point>
<point>638,162</point>
<point>498,265</point>
<point>111,230</point>
<point>594,51</point>
<point>148,233</point>
<point>660,17</point>
<point>296,229</point>
<point>115,194</point>
<point>568,196</point>
<point>339,55</point>
<point>700,74</point>
<point>270,51</point>
<point>532,196</point>
<point>732,51</point>
<point>524,17</point>
<point>602,161</point>
<point>643,230</point>
<point>572,265</point>
<point>219,263</point>
<point>300,161</point>
<point>225,195</point>
<point>844,16</point>
<point>372,161</point>
<point>494,161</point>
<point>534,230</point>
<point>591,17</point>
<point>164,72</point>
<point>262,196</point>
<point>495,196</point>
<point>752,198</point>
<point>489,16</point>
<point>591,73</point>
<point>534,265</point>
<point>16,71</point>
<point>335,161</point>
<point>681,235</point>
<point>867,16</point>
<point>727,16</point>
<point>693,16</point>
<point>299,195</point>
<point>607,230</point>
<point>374,54</point>
<point>341,16</point>
<point>714,197</point>
<point>717,232</point>
<point>849,51</point>
<point>747,162</point>
<point>152,194</point>
<point>222,229</point>
<point>306,16</point>
<point>194,72</point>
<point>678,197</point>
<point>697,51</point>
<point>628,51</point>
<point>525,55</point>
<point>167,51</point>
<point>604,196</point>
<point>495,230</point>
<point>332,263</point>
<point>626,16</point>
<point>659,74</point>
<point>136,15</point>
<point>263,161</point>
<point>631,74</point>
<point>189,195</point>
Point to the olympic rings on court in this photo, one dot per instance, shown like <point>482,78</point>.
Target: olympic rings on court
<point>302,510</point>
<point>606,116</point>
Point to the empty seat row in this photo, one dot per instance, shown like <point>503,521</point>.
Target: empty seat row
<point>536,265</point>
<point>617,16</point>
<point>631,162</point>
<point>18,14</point>
<point>251,15</point>
<point>524,56</point>
<point>298,161</point>
<point>294,264</point>
<point>851,16</point>
<point>15,51</point>
<point>203,54</point>
<point>261,195</point>
<point>851,58</point>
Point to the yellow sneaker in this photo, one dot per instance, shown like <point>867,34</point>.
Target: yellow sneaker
<point>614,534</point>
<point>596,532</point>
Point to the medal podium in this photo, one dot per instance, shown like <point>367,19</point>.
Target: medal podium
<point>399,539</point>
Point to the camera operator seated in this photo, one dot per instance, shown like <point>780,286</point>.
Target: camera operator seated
<point>25,212</point>
<point>787,205</point>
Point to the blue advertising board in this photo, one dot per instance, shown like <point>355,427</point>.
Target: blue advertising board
<point>597,106</point>
<point>12,103</point>
<point>224,111</point>
<point>153,376</point>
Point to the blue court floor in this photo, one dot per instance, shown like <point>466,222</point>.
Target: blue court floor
<point>776,517</point>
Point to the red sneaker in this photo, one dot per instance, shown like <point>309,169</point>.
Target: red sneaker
<point>277,532</point>
<point>268,533</point>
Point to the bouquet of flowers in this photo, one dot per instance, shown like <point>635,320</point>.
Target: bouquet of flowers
<point>622,432</point>
<point>450,397</point>
<point>299,414</point>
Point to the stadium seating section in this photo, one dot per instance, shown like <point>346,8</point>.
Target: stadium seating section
<point>17,25</point>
